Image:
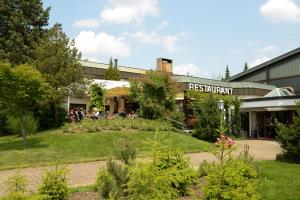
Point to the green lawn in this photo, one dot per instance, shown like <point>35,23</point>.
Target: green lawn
<point>52,146</point>
<point>280,181</point>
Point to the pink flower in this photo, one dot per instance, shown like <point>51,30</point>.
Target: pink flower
<point>225,141</point>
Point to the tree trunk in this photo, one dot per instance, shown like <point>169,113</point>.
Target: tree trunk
<point>23,131</point>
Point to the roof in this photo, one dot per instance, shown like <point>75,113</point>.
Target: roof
<point>265,64</point>
<point>279,92</point>
<point>205,81</point>
<point>105,66</point>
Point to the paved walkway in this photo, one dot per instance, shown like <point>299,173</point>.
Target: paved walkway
<point>81,174</point>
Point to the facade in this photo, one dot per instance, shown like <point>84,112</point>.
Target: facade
<point>282,71</point>
<point>260,114</point>
<point>261,106</point>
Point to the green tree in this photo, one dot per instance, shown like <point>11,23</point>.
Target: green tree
<point>289,138</point>
<point>96,94</point>
<point>155,93</point>
<point>22,24</point>
<point>246,67</point>
<point>21,90</point>
<point>236,118</point>
<point>112,73</point>
<point>227,73</point>
<point>58,61</point>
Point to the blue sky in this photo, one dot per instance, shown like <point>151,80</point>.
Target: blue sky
<point>201,36</point>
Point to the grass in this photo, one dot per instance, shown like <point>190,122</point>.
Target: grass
<point>279,181</point>
<point>55,146</point>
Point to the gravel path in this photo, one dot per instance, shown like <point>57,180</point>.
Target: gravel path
<point>81,174</point>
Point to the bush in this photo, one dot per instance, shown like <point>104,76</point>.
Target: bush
<point>54,184</point>
<point>30,124</point>
<point>167,177</point>
<point>232,178</point>
<point>105,184</point>
<point>90,125</point>
<point>125,150</point>
<point>178,116</point>
<point>235,180</point>
<point>45,114</point>
<point>16,184</point>
<point>289,138</point>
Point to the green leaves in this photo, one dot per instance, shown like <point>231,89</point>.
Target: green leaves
<point>155,93</point>
<point>57,59</point>
<point>96,94</point>
<point>23,24</point>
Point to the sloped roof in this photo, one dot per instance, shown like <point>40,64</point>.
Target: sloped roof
<point>265,64</point>
<point>279,92</point>
<point>205,81</point>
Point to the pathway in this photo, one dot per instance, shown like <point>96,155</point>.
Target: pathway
<point>81,174</point>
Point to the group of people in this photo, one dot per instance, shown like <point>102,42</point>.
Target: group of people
<point>76,115</point>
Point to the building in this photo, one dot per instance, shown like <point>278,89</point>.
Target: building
<point>282,71</point>
<point>261,113</point>
<point>262,102</point>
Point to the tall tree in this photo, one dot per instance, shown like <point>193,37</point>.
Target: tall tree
<point>246,67</point>
<point>112,73</point>
<point>227,73</point>
<point>22,24</point>
<point>21,89</point>
<point>155,93</point>
<point>58,61</point>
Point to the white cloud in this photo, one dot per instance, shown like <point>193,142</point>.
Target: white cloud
<point>259,61</point>
<point>281,10</point>
<point>162,25</point>
<point>86,23</point>
<point>93,45</point>
<point>169,42</point>
<point>267,49</point>
<point>189,69</point>
<point>127,11</point>
<point>252,43</point>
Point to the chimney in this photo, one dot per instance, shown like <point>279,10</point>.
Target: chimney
<point>116,62</point>
<point>164,65</point>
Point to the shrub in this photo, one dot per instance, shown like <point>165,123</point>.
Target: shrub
<point>54,184</point>
<point>167,177</point>
<point>105,184</point>
<point>231,178</point>
<point>16,184</point>
<point>235,180</point>
<point>30,124</point>
<point>178,116</point>
<point>90,125</point>
<point>289,138</point>
<point>45,112</point>
<point>125,150</point>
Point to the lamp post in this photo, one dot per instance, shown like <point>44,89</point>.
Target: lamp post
<point>221,108</point>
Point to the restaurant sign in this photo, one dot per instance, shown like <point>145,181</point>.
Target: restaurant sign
<point>210,88</point>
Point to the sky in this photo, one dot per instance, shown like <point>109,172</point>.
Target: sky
<point>202,37</point>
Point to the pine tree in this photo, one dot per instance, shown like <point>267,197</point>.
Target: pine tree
<point>58,61</point>
<point>112,73</point>
<point>246,67</point>
<point>22,25</point>
<point>227,73</point>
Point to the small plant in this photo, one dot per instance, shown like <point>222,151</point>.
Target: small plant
<point>30,124</point>
<point>105,184</point>
<point>16,183</point>
<point>54,184</point>
<point>231,178</point>
<point>125,150</point>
